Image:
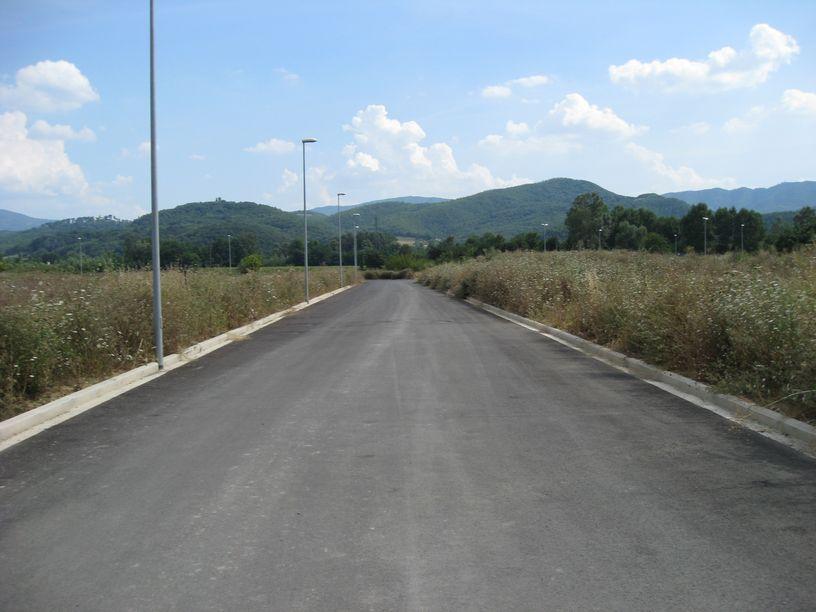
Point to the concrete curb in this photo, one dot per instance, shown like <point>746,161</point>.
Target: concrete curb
<point>743,412</point>
<point>29,423</point>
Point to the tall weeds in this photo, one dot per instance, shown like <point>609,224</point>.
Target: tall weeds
<point>746,324</point>
<point>60,332</point>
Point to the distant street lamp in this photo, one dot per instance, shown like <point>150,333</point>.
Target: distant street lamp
<point>742,237</point>
<point>229,250</point>
<point>356,227</point>
<point>675,245</point>
<point>340,237</point>
<point>158,336</point>
<point>80,253</point>
<point>705,235</point>
<point>545,226</point>
<point>600,232</point>
<point>304,142</point>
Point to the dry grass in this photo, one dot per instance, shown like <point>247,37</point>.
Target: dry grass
<point>746,324</point>
<point>61,332</point>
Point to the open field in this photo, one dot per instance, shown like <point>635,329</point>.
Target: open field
<point>746,324</point>
<point>61,332</point>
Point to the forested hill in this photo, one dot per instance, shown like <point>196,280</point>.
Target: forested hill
<point>506,211</point>
<point>11,221</point>
<point>781,197</point>
<point>330,210</point>
<point>198,224</point>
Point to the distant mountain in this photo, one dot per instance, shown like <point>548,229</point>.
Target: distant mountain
<point>331,210</point>
<point>11,221</point>
<point>779,198</point>
<point>198,223</point>
<point>506,211</point>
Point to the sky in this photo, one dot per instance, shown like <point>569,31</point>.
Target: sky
<point>433,98</point>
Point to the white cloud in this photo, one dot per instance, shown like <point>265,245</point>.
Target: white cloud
<point>288,180</point>
<point>698,128</point>
<point>39,167</point>
<point>273,146</point>
<point>197,157</point>
<point>506,90</point>
<point>681,177</point>
<point>575,110</point>
<point>48,86</point>
<point>535,80</point>
<point>517,129</point>
<point>745,123</point>
<point>286,75</point>
<point>405,163</point>
<point>61,132</point>
<point>798,101</point>
<point>497,91</point>
<point>550,144</point>
<point>724,69</point>
<point>121,181</point>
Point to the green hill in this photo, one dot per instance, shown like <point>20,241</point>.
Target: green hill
<point>779,198</point>
<point>11,221</point>
<point>198,223</point>
<point>506,211</point>
<point>330,210</point>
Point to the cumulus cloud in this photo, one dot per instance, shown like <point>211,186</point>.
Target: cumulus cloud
<point>724,69</point>
<point>47,131</point>
<point>517,129</point>
<point>520,139</point>
<point>747,122</point>
<point>505,90</point>
<point>121,181</point>
<point>273,146</point>
<point>47,87</point>
<point>288,180</point>
<point>681,176</point>
<point>575,110</point>
<point>798,101</point>
<point>38,167</point>
<point>395,152</point>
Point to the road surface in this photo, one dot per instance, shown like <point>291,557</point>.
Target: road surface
<point>395,449</point>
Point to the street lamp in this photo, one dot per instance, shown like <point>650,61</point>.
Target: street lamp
<point>154,208</point>
<point>600,232</point>
<point>545,226</point>
<point>229,250</point>
<point>304,142</point>
<point>80,253</point>
<point>340,237</point>
<point>356,227</point>
<point>675,245</point>
<point>705,235</point>
<point>742,237</point>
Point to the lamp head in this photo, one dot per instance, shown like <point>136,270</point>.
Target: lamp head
<point>341,194</point>
<point>308,140</point>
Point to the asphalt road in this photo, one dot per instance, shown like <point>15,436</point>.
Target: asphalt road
<point>392,448</point>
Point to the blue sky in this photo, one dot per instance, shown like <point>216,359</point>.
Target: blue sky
<point>438,98</point>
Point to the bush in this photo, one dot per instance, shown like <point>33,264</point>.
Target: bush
<point>250,263</point>
<point>406,261</point>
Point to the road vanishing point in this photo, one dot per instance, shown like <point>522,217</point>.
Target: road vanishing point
<point>396,449</point>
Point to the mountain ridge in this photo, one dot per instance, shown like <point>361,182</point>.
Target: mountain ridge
<point>781,197</point>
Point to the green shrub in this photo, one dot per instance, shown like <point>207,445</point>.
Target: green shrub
<point>250,263</point>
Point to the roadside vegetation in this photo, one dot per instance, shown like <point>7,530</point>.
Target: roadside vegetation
<point>61,332</point>
<point>744,323</point>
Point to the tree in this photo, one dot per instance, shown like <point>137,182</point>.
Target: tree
<point>586,216</point>
<point>691,227</point>
<point>250,263</point>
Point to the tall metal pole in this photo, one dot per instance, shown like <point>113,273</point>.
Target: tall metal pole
<point>356,227</point>
<point>80,253</point>
<point>229,250</point>
<point>742,238</point>
<point>705,235</point>
<point>154,207</point>
<point>545,226</point>
<point>340,237</point>
<point>303,142</point>
<point>599,238</point>
<point>675,244</point>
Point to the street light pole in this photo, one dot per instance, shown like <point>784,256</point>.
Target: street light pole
<point>229,250</point>
<point>158,336</point>
<point>600,231</point>
<point>80,253</point>
<point>705,235</point>
<point>304,142</point>
<point>742,237</point>
<point>545,226</point>
<point>675,245</point>
<point>356,227</point>
<point>340,237</point>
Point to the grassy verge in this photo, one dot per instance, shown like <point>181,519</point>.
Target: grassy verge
<point>62,332</point>
<point>746,324</point>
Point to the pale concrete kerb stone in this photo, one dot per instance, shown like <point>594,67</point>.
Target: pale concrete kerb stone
<point>27,424</point>
<point>746,413</point>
